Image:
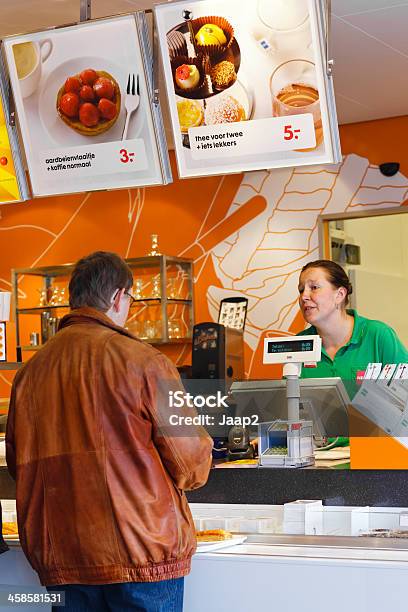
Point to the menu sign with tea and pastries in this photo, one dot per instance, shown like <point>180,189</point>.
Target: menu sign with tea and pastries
<point>83,95</point>
<point>247,84</point>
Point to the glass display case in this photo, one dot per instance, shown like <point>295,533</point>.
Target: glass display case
<point>39,304</point>
<point>162,311</point>
<point>308,520</point>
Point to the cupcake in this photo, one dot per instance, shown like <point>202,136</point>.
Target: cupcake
<point>212,35</point>
<point>224,110</point>
<point>188,75</point>
<point>190,114</point>
<point>176,44</point>
<point>223,75</point>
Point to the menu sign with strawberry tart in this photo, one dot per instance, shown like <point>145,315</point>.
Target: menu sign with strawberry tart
<point>84,98</point>
<point>248,84</point>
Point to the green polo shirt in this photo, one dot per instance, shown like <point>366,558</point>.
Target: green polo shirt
<point>371,342</point>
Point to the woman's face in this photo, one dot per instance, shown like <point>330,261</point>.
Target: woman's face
<point>318,298</point>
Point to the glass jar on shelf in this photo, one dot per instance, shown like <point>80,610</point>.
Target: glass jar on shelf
<point>153,323</point>
<point>156,287</point>
<point>172,289</point>
<point>42,301</point>
<point>62,298</point>
<point>185,285</point>
<point>149,329</point>
<point>154,249</point>
<point>135,327</point>
<point>138,289</point>
<point>54,297</point>
<point>174,328</point>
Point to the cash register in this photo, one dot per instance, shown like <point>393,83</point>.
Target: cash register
<point>289,442</point>
<point>292,412</point>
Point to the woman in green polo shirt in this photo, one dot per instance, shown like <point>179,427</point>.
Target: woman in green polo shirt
<point>349,341</point>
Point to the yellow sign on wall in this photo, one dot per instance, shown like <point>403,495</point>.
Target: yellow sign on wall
<point>9,189</point>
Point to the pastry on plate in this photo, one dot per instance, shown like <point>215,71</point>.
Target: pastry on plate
<point>89,102</point>
<point>190,114</point>
<point>210,34</point>
<point>187,76</point>
<point>213,535</point>
<point>176,44</point>
<point>223,75</point>
<point>224,110</point>
<point>10,528</point>
<point>213,35</point>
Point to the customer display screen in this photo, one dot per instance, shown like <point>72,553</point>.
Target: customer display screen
<point>291,346</point>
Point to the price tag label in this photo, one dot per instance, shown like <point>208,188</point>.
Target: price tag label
<point>94,160</point>
<point>292,133</point>
<point>127,157</point>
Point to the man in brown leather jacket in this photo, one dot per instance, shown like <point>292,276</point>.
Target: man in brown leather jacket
<point>100,479</point>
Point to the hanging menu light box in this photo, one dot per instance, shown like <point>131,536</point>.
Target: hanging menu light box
<point>84,98</point>
<point>247,84</point>
<point>13,185</point>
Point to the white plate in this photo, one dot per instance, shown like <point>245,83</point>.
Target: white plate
<point>210,546</point>
<point>238,91</point>
<point>57,130</point>
<point>243,94</point>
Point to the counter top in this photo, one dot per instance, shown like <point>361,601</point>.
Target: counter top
<point>314,549</point>
<point>307,547</point>
<point>279,486</point>
<point>312,554</point>
<point>329,548</point>
<point>11,541</point>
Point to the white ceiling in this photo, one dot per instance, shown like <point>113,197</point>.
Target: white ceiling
<point>369,45</point>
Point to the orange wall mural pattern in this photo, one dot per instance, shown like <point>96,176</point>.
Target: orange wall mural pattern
<point>247,234</point>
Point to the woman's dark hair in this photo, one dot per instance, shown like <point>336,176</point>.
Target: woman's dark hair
<point>95,279</point>
<point>335,275</point>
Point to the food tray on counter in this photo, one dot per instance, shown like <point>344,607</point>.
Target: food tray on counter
<point>212,546</point>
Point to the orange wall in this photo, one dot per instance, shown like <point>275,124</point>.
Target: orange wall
<point>238,229</point>
<point>380,141</point>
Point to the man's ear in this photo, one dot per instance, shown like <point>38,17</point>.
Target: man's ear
<point>116,299</point>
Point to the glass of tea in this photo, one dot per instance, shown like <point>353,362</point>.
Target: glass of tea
<point>294,91</point>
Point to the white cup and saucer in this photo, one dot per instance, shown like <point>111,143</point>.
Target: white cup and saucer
<point>29,57</point>
<point>282,25</point>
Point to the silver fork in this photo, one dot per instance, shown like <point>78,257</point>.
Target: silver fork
<point>132,101</point>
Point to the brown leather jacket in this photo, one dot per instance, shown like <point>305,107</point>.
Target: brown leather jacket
<point>99,487</point>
